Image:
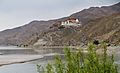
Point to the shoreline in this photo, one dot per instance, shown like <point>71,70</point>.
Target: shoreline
<point>19,58</point>
<point>18,62</point>
<point>16,59</point>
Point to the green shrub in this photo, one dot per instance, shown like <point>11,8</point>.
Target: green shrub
<point>78,62</point>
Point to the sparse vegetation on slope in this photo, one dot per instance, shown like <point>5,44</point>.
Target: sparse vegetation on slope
<point>107,29</point>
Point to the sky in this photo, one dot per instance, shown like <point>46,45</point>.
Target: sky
<point>14,13</point>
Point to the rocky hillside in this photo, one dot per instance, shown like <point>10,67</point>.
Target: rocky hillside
<point>49,33</point>
<point>105,28</point>
<point>92,13</point>
<point>27,34</point>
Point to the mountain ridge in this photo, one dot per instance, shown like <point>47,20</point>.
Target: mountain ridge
<point>33,31</point>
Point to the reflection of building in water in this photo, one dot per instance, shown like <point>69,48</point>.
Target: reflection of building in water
<point>71,22</point>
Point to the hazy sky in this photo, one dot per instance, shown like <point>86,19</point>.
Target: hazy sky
<point>14,13</point>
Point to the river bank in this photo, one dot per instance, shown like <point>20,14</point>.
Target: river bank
<point>13,58</point>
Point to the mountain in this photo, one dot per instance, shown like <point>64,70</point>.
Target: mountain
<point>26,34</point>
<point>92,13</point>
<point>103,29</point>
<point>48,32</point>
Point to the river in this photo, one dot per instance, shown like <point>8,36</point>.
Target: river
<point>28,67</point>
<point>24,60</point>
<point>43,57</point>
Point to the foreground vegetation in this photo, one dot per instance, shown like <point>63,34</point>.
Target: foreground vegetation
<point>78,62</point>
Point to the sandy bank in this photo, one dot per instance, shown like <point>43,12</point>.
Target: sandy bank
<point>12,59</point>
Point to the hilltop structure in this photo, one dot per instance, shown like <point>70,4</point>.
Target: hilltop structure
<point>71,22</point>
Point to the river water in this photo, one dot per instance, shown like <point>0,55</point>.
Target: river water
<point>29,67</point>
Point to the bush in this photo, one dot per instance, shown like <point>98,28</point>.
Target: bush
<point>96,42</point>
<point>78,62</point>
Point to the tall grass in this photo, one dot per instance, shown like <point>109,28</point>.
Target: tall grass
<point>78,62</point>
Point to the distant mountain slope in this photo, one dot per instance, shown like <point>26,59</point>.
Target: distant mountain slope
<point>105,28</point>
<point>35,30</point>
<point>27,34</point>
<point>92,13</point>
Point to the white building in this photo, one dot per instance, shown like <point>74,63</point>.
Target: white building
<point>71,22</point>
